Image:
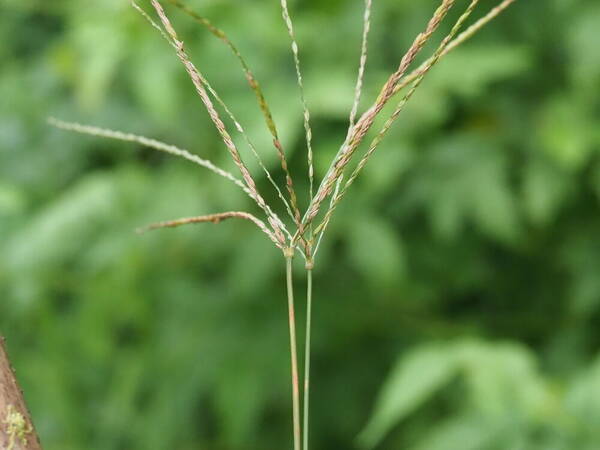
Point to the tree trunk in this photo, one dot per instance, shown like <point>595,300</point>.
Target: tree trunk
<point>16,427</point>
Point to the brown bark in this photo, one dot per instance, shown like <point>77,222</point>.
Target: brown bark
<point>16,427</point>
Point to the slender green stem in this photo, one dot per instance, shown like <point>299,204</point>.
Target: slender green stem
<point>307,354</point>
<point>293,349</point>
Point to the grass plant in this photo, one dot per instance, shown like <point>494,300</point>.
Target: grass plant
<point>304,229</point>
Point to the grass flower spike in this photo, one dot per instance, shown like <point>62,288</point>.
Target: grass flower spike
<point>304,230</point>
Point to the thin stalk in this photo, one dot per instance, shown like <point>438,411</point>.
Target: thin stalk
<point>289,254</point>
<point>307,355</point>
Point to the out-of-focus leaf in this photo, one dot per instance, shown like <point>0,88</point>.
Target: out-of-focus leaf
<point>585,59</point>
<point>64,226</point>
<point>596,180</point>
<point>330,94</point>
<point>582,401</point>
<point>254,266</point>
<point>100,49</point>
<point>12,200</point>
<point>545,188</point>
<point>469,70</point>
<point>416,377</point>
<point>387,167</point>
<point>154,80</point>
<point>566,132</point>
<point>580,256</point>
<point>464,178</point>
<point>502,379</point>
<point>376,250</point>
<point>464,432</point>
<point>242,381</point>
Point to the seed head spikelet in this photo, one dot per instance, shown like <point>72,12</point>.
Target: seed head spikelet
<point>242,131</point>
<point>357,92</point>
<point>460,39</point>
<point>260,97</point>
<point>399,108</point>
<point>227,110</point>
<point>362,64</point>
<point>306,113</point>
<point>214,218</point>
<point>238,126</point>
<point>194,74</point>
<point>147,142</point>
<point>363,125</point>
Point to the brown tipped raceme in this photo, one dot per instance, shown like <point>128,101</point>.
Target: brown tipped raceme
<point>306,113</point>
<point>399,108</point>
<point>237,125</point>
<point>364,49</point>
<point>147,142</point>
<point>462,37</point>
<point>357,95</point>
<point>216,219</point>
<point>395,83</point>
<point>196,78</point>
<point>360,129</point>
<point>260,97</point>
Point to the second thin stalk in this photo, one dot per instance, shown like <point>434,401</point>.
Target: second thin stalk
<point>307,347</point>
<point>293,349</point>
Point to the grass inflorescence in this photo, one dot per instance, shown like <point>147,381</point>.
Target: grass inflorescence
<point>305,229</point>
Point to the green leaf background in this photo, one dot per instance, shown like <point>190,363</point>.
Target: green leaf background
<point>457,293</point>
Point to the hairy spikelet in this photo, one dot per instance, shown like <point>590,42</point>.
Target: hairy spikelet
<point>363,62</point>
<point>237,124</point>
<point>147,142</point>
<point>196,77</point>
<point>363,125</point>
<point>262,103</point>
<point>416,77</point>
<point>357,98</point>
<point>248,141</point>
<point>399,108</point>
<point>306,113</point>
<point>216,219</point>
<point>460,39</point>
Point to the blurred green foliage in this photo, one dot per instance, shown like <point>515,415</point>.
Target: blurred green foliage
<point>461,273</point>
